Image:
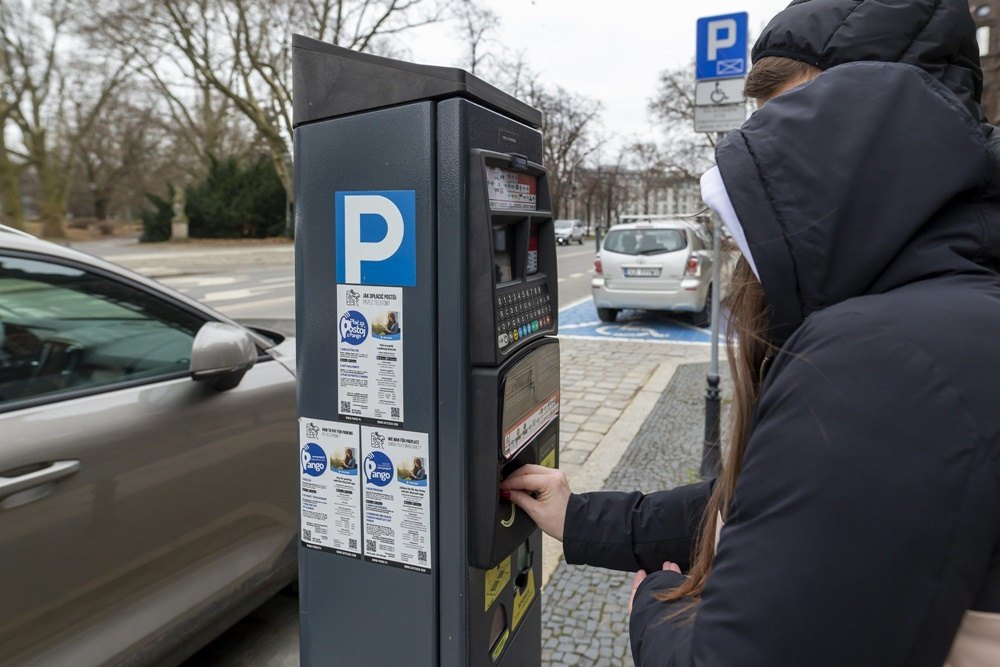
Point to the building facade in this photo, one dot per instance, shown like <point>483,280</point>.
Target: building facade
<point>612,192</point>
<point>987,16</point>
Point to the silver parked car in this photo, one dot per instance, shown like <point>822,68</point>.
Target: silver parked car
<point>654,265</point>
<point>568,231</point>
<point>147,499</point>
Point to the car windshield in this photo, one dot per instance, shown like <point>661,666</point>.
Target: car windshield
<point>563,224</point>
<point>645,241</point>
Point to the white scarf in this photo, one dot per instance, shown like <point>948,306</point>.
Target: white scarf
<point>713,193</point>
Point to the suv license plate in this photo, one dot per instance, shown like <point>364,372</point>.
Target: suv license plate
<point>642,273</point>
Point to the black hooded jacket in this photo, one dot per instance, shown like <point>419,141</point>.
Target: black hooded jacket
<point>866,519</point>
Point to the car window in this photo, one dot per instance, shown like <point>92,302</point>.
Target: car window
<point>645,241</point>
<point>65,329</point>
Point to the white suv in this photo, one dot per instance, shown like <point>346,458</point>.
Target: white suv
<point>654,265</point>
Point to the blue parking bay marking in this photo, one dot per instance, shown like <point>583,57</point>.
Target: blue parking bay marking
<point>580,321</point>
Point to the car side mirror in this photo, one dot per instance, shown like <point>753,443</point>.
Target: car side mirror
<point>222,354</point>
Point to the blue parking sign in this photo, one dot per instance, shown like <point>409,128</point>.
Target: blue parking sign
<point>722,47</point>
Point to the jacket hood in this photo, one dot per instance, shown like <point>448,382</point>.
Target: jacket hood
<point>871,177</point>
<point>939,36</point>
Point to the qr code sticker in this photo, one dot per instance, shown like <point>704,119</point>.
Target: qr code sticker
<point>369,545</point>
<point>307,535</point>
<point>352,544</point>
<point>422,556</point>
<point>345,406</point>
<point>394,412</point>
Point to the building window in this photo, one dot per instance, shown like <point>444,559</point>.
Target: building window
<point>983,37</point>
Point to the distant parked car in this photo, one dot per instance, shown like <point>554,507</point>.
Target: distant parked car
<point>663,265</point>
<point>569,231</point>
<point>147,499</point>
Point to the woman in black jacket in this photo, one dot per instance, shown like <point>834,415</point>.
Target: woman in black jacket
<point>857,518</point>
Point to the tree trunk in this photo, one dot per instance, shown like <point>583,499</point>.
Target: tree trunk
<point>11,212</point>
<point>52,197</point>
<point>101,202</point>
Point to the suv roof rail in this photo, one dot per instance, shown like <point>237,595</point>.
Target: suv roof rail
<point>17,232</point>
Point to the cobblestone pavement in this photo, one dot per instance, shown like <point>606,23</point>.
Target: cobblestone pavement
<point>584,620</point>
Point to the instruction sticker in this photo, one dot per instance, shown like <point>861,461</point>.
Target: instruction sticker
<point>396,514</point>
<point>496,579</point>
<point>330,488</point>
<point>511,189</point>
<point>370,353</point>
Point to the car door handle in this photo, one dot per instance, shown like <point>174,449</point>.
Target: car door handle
<point>51,473</point>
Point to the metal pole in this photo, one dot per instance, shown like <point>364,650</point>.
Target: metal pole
<point>711,453</point>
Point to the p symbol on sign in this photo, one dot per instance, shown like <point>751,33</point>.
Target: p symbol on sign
<point>721,35</point>
<point>376,238</point>
<point>356,250</point>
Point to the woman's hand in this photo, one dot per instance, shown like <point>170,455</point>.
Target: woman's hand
<point>640,576</point>
<point>541,492</point>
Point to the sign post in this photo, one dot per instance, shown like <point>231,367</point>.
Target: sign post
<point>721,69</point>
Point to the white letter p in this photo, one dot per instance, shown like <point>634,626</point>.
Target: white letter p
<point>715,41</point>
<point>356,251</point>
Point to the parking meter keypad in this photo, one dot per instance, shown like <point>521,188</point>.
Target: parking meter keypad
<point>522,312</point>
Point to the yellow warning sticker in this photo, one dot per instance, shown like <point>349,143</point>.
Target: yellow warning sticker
<point>496,579</point>
<point>522,601</point>
<point>550,459</point>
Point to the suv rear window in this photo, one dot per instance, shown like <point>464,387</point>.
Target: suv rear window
<point>645,241</point>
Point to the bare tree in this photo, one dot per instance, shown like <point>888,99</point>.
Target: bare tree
<point>11,212</point>
<point>476,24</point>
<point>567,137</point>
<point>684,151</point>
<point>240,50</point>
<point>57,105</point>
<point>647,160</point>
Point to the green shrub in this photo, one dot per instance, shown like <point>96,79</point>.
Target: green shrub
<point>156,220</point>
<point>235,201</point>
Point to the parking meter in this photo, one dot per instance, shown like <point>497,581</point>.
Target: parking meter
<point>426,304</point>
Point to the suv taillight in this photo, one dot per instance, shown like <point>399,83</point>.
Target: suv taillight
<point>597,265</point>
<point>693,266</point>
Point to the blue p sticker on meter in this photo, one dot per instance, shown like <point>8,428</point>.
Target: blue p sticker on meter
<point>376,237</point>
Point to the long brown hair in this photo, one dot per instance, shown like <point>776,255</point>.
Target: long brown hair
<point>749,347</point>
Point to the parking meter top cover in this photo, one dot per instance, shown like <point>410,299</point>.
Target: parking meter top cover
<point>331,81</point>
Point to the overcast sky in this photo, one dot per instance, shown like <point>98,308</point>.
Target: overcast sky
<point>611,50</point>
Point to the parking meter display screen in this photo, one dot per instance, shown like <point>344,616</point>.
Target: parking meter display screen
<point>504,260</point>
<point>511,189</point>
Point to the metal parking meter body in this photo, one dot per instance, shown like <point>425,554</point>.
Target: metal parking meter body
<point>426,302</point>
